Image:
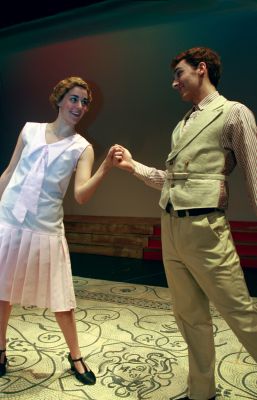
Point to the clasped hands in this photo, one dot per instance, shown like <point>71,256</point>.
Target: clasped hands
<point>121,158</point>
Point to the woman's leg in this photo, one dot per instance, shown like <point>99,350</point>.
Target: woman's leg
<point>67,323</point>
<point>5,310</point>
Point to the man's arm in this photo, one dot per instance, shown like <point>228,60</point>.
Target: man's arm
<point>150,176</point>
<point>242,125</point>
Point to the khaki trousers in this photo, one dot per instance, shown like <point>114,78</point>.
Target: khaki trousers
<point>201,264</point>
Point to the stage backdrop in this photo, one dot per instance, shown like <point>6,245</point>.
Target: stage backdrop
<point>124,49</point>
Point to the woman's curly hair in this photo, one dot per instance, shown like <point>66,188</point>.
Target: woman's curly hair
<point>64,86</point>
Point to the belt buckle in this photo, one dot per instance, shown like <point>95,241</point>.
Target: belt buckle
<point>176,213</point>
<point>168,208</point>
<point>182,213</point>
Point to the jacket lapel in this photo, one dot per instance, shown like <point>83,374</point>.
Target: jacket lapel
<point>198,125</point>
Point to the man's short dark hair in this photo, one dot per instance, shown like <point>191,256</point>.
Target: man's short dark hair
<point>196,55</point>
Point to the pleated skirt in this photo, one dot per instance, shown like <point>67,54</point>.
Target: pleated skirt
<point>35,269</point>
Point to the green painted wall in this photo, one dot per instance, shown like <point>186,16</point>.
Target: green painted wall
<point>124,48</point>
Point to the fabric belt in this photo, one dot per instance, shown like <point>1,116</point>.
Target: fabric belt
<point>191,212</point>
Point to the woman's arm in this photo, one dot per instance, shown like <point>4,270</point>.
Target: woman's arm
<point>85,184</point>
<point>7,174</point>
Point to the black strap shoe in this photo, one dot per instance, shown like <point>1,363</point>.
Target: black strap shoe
<point>87,377</point>
<point>3,364</point>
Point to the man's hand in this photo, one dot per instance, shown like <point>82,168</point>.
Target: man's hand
<point>122,159</point>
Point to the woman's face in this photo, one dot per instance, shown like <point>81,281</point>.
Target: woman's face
<point>74,105</point>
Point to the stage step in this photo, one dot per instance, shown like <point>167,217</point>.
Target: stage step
<point>110,236</point>
<point>140,238</point>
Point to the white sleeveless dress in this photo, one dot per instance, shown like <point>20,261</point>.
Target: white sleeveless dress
<point>34,257</point>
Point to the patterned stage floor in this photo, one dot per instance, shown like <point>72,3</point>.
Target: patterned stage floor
<point>130,340</point>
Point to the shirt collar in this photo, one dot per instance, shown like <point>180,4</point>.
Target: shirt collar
<point>207,100</point>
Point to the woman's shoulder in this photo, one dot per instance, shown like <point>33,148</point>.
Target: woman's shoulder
<point>30,128</point>
<point>81,140</point>
<point>29,125</point>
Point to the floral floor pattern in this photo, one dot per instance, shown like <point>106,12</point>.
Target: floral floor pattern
<point>129,338</point>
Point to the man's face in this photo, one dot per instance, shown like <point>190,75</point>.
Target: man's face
<point>187,81</point>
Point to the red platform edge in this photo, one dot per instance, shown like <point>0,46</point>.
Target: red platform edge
<point>244,234</point>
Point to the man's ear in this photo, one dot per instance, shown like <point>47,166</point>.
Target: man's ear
<point>202,68</point>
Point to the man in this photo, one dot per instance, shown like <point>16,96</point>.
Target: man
<point>199,255</point>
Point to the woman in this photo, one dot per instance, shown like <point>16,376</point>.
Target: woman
<point>34,258</point>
